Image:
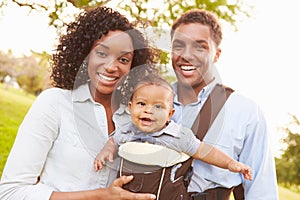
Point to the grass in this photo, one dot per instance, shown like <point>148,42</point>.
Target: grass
<point>13,106</point>
<point>286,194</point>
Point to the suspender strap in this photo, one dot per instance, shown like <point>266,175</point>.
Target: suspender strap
<point>206,117</point>
<point>210,110</point>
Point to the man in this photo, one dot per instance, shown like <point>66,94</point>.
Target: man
<point>239,129</point>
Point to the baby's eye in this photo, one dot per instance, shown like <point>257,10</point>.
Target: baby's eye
<point>141,103</point>
<point>158,106</point>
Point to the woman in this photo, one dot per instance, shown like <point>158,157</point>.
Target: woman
<point>53,154</point>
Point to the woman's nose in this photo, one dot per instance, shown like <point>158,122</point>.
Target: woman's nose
<point>112,65</point>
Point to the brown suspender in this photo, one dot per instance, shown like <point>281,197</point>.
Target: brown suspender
<point>210,110</point>
<point>206,117</point>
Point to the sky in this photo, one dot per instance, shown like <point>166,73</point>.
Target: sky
<point>259,60</point>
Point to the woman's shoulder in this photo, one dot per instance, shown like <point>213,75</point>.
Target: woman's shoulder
<point>54,92</point>
<point>52,95</point>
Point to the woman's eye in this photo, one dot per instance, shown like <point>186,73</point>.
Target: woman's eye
<point>101,53</point>
<point>124,60</point>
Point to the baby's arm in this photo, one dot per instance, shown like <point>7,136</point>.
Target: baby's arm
<point>211,155</point>
<point>107,153</point>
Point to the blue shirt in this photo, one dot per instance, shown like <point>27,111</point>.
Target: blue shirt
<point>240,131</point>
<point>174,136</point>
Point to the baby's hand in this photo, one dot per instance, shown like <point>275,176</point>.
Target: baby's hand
<point>107,153</point>
<point>236,166</point>
<point>99,161</point>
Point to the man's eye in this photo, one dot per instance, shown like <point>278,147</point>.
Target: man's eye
<point>199,48</point>
<point>177,47</point>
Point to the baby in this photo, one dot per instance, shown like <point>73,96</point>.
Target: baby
<point>151,109</point>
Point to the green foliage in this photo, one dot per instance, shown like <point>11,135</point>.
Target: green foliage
<point>165,12</point>
<point>31,72</point>
<point>156,12</point>
<point>288,166</point>
<point>13,106</point>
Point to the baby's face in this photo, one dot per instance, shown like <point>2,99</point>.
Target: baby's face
<point>151,108</point>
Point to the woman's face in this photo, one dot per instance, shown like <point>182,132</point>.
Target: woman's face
<point>109,59</point>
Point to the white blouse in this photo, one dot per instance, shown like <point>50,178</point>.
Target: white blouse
<point>58,140</point>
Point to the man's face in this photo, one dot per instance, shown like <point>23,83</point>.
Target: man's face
<point>193,54</point>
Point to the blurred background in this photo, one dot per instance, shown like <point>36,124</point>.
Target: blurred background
<point>259,59</point>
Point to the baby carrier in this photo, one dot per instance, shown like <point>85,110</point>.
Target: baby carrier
<point>156,169</point>
<point>166,173</point>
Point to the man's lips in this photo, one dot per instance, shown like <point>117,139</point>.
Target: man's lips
<point>187,67</point>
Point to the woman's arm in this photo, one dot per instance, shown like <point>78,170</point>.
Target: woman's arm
<point>114,191</point>
<point>30,149</point>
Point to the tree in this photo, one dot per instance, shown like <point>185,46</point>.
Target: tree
<point>159,14</point>
<point>34,76</point>
<point>30,72</point>
<point>7,61</point>
<point>156,12</point>
<point>288,166</point>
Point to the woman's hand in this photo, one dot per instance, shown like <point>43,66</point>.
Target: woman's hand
<point>115,191</point>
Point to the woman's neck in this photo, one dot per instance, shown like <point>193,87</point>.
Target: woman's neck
<point>105,101</point>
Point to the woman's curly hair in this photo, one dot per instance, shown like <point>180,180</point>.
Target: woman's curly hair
<point>76,44</point>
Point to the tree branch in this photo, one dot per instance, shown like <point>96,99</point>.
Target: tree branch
<point>31,6</point>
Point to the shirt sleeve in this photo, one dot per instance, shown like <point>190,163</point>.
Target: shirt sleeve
<point>257,154</point>
<point>185,142</point>
<point>27,157</point>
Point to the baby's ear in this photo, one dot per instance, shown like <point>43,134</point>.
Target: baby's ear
<point>171,113</point>
<point>129,105</point>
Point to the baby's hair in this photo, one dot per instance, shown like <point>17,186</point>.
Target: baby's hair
<point>153,79</point>
<point>144,74</point>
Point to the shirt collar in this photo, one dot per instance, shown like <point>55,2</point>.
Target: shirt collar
<point>123,121</point>
<point>203,94</point>
<point>82,93</point>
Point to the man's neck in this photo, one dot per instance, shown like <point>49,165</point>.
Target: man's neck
<point>187,94</point>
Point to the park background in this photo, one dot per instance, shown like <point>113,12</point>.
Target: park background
<point>259,58</point>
